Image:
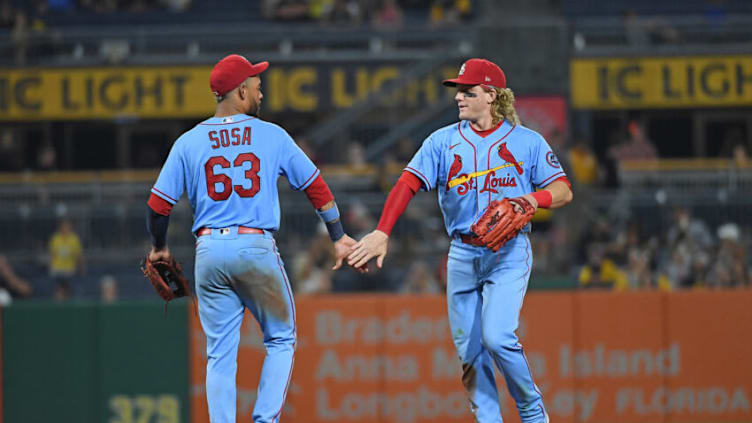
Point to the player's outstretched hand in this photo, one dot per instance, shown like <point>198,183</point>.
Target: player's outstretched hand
<point>342,248</point>
<point>162,254</point>
<point>372,245</point>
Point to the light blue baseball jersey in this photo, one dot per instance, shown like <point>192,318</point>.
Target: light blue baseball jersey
<point>229,169</point>
<point>470,171</point>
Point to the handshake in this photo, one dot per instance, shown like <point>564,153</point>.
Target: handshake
<point>359,253</point>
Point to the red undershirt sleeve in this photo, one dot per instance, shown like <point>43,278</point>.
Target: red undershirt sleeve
<point>159,205</point>
<point>396,203</point>
<point>565,180</point>
<point>318,193</point>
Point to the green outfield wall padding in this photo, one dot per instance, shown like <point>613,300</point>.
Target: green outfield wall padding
<point>91,362</point>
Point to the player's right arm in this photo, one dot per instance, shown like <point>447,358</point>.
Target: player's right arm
<point>167,190</point>
<point>422,171</point>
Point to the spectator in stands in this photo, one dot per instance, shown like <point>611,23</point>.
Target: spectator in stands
<point>388,15</point>
<point>689,243</point>
<point>108,289</point>
<point>66,258</point>
<point>285,10</point>
<point>343,12</point>
<point>19,36</point>
<point>47,157</point>
<point>601,272</point>
<point>356,158</point>
<point>689,230</point>
<point>740,156</point>
<point>11,151</point>
<point>636,258</point>
<point>11,285</point>
<point>637,145</point>
<point>643,31</point>
<point>639,274</point>
<point>419,280</point>
<point>311,271</point>
<point>731,267</point>
<point>449,12</point>
<point>583,163</point>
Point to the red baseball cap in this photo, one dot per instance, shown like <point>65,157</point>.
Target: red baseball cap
<point>477,72</point>
<point>231,71</point>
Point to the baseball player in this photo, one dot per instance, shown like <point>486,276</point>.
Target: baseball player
<point>485,157</point>
<point>229,165</point>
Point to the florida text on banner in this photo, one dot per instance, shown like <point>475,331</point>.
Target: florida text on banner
<point>661,82</point>
<point>597,357</point>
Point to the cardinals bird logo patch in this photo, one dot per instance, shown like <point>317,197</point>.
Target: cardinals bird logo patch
<point>454,169</point>
<point>507,156</point>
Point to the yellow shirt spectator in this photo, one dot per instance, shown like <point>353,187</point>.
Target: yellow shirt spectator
<point>65,252</point>
<point>583,164</point>
<point>609,275</point>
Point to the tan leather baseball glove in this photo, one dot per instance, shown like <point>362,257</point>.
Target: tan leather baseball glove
<point>501,221</point>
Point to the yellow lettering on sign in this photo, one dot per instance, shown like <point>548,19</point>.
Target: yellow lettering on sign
<point>340,97</point>
<point>275,89</point>
<point>179,92</point>
<point>301,99</point>
<point>702,81</point>
<point>105,93</point>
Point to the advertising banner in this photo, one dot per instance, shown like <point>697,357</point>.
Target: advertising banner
<point>661,82</point>
<point>597,357</point>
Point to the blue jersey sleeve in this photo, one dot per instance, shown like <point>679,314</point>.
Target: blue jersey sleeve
<point>546,166</point>
<point>296,166</point>
<point>425,163</point>
<point>170,184</point>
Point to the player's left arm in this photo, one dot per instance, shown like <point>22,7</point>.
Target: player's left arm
<point>554,195</point>
<point>546,172</point>
<point>322,199</point>
<point>561,192</point>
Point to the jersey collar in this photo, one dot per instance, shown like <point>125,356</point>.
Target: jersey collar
<point>467,133</point>
<point>226,119</point>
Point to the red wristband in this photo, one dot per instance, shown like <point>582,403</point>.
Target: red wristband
<point>543,197</point>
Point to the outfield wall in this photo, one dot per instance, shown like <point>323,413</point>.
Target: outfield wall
<point>598,357</point>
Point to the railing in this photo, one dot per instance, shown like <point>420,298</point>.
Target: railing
<point>661,35</point>
<point>160,44</point>
<point>109,216</point>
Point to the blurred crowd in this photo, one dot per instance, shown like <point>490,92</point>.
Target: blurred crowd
<point>666,246</point>
<point>382,14</point>
<point>688,254</point>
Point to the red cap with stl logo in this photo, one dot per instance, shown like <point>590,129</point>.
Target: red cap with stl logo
<point>231,71</point>
<point>479,72</point>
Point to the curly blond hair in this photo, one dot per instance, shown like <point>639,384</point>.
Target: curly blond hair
<point>503,107</point>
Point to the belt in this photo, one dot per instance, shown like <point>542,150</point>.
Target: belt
<point>241,230</point>
<point>471,239</point>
